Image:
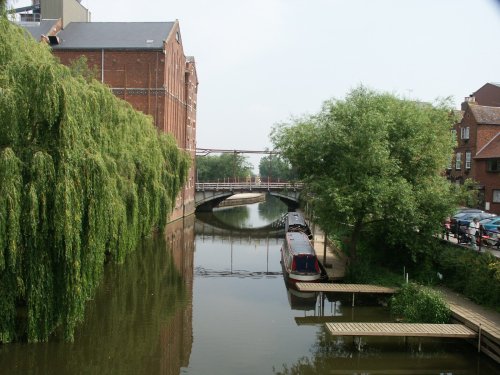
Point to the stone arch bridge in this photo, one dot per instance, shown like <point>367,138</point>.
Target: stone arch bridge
<point>210,194</point>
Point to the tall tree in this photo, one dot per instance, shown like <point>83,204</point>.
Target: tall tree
<point>82,178</point>
<point>373,162</point>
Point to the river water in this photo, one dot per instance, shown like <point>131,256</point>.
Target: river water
<point>208,297</point>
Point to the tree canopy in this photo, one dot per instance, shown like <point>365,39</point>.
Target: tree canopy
<point>83,176</point>
<point>275,167</point>
<point>373,164</point>
<point>224,166</point>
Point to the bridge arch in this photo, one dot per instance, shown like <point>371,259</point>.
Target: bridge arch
<point>209,195</point>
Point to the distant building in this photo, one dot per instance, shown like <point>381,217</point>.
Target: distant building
<point>142,62</point>
<point>477,154</point>
<point>488,94</point>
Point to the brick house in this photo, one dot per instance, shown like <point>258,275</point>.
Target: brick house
<point>142,62</point>
<point>477,154</point>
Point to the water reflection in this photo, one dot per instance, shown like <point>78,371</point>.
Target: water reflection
<point>200,301</point>
<point>252,215</point>
<point>140,321</point>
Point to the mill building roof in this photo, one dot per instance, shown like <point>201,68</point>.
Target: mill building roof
<point>113,35</point>
<point>37,29</point>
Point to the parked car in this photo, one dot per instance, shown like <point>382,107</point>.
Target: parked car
<point>466,210</point>
<point>490,225</point>
<point>463,219</point>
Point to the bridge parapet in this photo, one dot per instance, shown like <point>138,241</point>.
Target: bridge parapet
<point>248,186</point>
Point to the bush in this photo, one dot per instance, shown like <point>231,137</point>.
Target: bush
<point>417,304</point>
<point>475,275</point>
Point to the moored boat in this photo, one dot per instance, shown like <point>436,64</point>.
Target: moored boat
<point>295,222</point>
<point>299,259</point>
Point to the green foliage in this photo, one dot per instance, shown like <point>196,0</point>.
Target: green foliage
<point>82,175</point>
<point>211,168</point>
<point>475,275</point>
<point>468,193</point>
<point>275,167</point>
<point>417,304</point>
<point>373,164</point>
<point>79,68</point>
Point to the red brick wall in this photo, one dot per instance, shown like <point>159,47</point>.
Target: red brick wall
<point>489,181</point>
<point>464,145</point>
<point>135,76</point>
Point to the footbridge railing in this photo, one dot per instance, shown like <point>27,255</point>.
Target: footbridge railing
<point>249,186</point>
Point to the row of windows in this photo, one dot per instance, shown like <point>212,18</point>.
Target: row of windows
<point>458,160</point>
<point>492,165</point>
<point>464,133</point>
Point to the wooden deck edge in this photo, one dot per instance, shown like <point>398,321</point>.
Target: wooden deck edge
<point>345,288</point>
<point>401,330</point>
<point>485,329</point>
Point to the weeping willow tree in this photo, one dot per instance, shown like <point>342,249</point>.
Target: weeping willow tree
<point>82,177</point>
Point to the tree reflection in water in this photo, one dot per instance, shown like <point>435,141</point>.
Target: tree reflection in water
<point>139,323</point>
<point>241,216</point>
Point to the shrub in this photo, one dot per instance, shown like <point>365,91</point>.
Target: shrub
<point>417,304</point>
<point>475,275</point>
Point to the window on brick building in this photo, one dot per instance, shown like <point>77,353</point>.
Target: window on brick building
<point>496,196</point>
<point>464,133</point>
<point>493,165</point>
<point>468,159</point>
<point>458,161</point>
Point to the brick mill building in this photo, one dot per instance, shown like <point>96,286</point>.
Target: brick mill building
<point>477,154</point>
<point>141,62</point>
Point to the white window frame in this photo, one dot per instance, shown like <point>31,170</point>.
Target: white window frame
<point>458,161</point>
<point>464,132</point>
<point>496,195</point>
<point>468,159</point>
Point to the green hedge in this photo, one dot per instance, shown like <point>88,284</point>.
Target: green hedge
<point>417,304</point>
<point>82,176</point>
<point>473,274</point>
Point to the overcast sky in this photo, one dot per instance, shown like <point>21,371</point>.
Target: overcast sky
<point>260,62</point>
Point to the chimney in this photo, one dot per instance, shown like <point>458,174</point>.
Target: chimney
<point>471,99</point>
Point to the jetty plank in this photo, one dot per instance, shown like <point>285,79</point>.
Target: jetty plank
<point>344,288</point>
<point>400,329</point>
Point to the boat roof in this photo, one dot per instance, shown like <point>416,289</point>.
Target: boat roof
<point>295,218</point>
<point>299,243</point>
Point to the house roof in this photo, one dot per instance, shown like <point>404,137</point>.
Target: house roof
<point>114,35</point>
<point>486,115</point>
<point>491,149</point>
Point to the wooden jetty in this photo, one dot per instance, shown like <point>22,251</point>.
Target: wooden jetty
<point>400,330</point>
<point>485,322</point>
<point>344,288</point>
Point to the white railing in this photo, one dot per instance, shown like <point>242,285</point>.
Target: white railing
<point>248,185</point>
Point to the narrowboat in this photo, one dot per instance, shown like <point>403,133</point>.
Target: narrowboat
<point>295,222</point>
<point>299,259</point>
